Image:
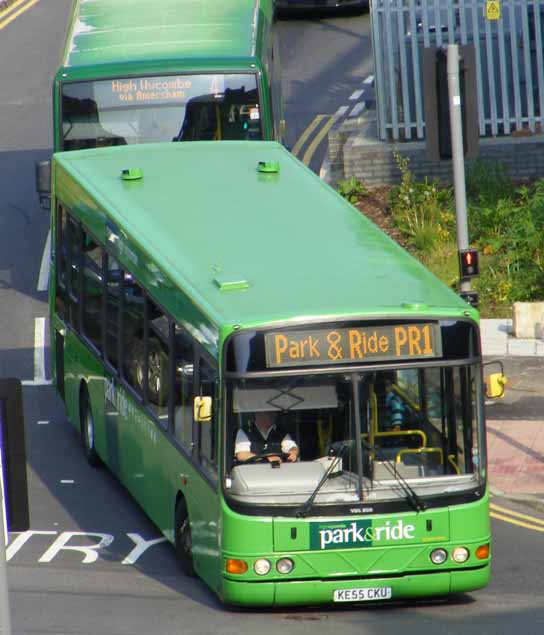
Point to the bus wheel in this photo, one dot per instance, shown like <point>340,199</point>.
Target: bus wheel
<point>183,541</point>
<point>87,429</point>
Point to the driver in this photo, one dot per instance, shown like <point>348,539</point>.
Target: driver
<point>267,437</point>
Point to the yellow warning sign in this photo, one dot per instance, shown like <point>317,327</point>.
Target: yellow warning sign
<point>493,10</point>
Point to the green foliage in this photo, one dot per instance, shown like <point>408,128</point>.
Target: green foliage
<point>488,182</point>
<point>422,210</point>
<point>351,189</point>
<point>506,223</point>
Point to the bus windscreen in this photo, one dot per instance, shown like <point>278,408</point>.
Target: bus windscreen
<point>151,109</point>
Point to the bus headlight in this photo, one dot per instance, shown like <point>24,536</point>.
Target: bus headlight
<point>261,566</point>
<point>460,554</point>
<point>284,565</point>
<point>438,556</point>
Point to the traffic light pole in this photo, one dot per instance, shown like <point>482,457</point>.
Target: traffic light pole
<point>458,155</point>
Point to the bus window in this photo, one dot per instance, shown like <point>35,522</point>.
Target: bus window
<point>206,429</point>
<point>92,291</point>
<point>133,330</point>
<point>61,263</point>
<point>114,285</point>
<point>165,108</point>
<point>183,403</point>
<point>158,361</point>
<point>73,247</point>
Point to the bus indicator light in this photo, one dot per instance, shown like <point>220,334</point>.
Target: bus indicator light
<point>482,553</point>
<point>468,263</point>
<point>236,566</point>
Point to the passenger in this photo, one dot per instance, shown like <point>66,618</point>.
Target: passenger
<point>394,406</point>
<point>267,438</point>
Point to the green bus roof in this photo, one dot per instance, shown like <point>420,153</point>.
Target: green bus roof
<point>113,32</point>
<point>251,247</point>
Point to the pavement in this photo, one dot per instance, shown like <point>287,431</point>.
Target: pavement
<point>515,423</point>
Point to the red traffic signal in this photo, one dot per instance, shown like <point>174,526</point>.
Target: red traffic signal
<point>468,263</point>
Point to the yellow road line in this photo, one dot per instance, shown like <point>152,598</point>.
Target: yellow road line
<point>304,136</point>
<point>506,519</point>
<point>11,13</point>
<point>505,510</point>
<point>11,7</point>
<point>317,140</point>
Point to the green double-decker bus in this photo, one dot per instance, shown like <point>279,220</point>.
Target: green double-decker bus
<point>190,304</point>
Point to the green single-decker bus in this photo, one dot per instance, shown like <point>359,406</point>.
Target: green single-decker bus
<point>293,399</point>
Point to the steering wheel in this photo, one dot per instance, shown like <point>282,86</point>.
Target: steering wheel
<point>261,458</point>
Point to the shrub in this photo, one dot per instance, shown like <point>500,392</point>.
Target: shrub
<point>422,210</point>
<point>351,189</point>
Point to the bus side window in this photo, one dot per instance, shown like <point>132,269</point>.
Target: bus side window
<point>114,286</point>
<point>158,361</point>
<point>206,429</point>
<point>92,295</point>
<point>183,405</point>
<point>74,252</point>
<point>61,263</point>
<point>132,327</point>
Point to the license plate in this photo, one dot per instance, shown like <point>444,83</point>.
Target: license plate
<point>363,595</point>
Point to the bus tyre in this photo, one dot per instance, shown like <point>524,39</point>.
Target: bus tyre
<point>183,541</point>
<point>87,430</point>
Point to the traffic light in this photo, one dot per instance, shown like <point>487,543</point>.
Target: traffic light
<point>468,263</point>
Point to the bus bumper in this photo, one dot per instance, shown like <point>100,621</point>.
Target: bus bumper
<point>311,592</point>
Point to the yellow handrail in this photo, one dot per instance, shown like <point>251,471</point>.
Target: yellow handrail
<point>405,433</point>
<point>419,451</point>
<point>451,459</point>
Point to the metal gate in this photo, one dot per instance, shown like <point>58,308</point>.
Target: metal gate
<point>508,43</point>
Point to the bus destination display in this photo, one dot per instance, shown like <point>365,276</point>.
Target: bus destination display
<point>355,344</point>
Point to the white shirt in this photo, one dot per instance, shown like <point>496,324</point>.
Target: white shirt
<point>243,444</point>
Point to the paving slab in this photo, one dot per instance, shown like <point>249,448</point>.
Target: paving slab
<point>516,456</point>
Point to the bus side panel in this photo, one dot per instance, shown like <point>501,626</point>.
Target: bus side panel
<point>154,471</point>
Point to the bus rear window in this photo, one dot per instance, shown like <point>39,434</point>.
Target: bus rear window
<point>160,108</point>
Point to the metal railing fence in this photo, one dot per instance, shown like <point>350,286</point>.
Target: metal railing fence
<point>508,40</point>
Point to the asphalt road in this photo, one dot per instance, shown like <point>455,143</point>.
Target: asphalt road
<point>60,581</point>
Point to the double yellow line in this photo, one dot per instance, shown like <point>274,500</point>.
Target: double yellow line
<point>515,518</point>
<point>15,10</point>
<point>312,147</point>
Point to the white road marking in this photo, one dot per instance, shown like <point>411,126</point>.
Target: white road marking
<point>341,111</point>
<point>369,80</point>
<point>43,423</point>
<point>90,551</point>
<point>39,355</point>
<point>357,94</point>
<point>39,349</point>
<point>67,481</point>
<point>357,109</point>
<point>43,279</point>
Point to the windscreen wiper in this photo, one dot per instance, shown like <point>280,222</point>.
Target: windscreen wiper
<point>305,508</point>
<point>411,495</point>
